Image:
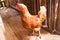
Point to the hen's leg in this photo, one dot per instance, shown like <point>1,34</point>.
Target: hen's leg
<point>33,33</point>
<point>39,34</point>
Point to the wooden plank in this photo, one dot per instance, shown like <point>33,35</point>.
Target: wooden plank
<point>9,34</point>
<point>58,18</point>
<point>17,28</point>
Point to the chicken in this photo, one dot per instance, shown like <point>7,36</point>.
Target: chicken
<point>32,22</point>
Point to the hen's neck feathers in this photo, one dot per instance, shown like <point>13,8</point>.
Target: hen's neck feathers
<point>23,8</point>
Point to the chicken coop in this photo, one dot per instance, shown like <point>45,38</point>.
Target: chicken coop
<point>11,24</point>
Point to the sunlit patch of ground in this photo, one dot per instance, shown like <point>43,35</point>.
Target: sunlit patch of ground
<point>2,29</point>
<point>47,36</point>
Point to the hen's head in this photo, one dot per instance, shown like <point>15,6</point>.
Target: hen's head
<point>22,7</point>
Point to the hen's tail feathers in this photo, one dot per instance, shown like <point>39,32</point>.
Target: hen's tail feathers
<point>42,10</point>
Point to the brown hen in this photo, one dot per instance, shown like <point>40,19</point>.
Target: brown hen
<point>33,22</point>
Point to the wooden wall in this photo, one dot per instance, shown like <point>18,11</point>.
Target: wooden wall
<point>50,14</point>
<point>58,18</point>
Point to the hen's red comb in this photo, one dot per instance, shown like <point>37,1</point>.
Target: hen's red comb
<point>17,6</point>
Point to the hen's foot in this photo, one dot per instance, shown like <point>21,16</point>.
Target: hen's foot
<point>39,35</point>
